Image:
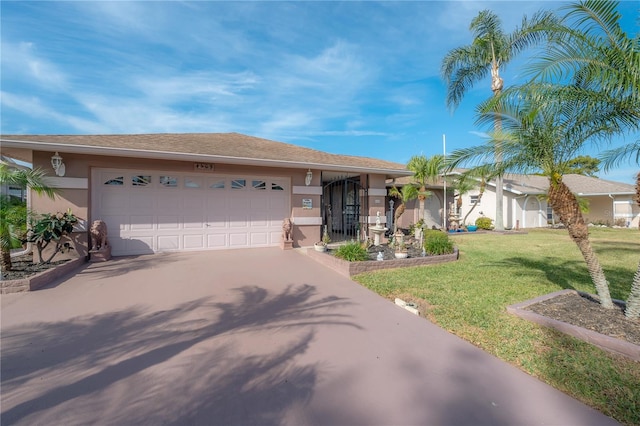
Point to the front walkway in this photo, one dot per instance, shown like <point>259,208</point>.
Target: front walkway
<point>243,337</point>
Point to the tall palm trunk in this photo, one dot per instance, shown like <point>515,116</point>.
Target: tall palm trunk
<point>401,208</point>
<point>565,204</point>
<point>633,301</point>
<point>496,86</point>
<point>5,260</point>
<point>421,198</point>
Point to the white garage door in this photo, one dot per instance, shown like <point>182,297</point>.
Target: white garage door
<point>151,211</point>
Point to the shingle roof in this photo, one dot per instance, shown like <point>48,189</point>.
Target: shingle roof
<point>579,184</point>
<point>220,145</point>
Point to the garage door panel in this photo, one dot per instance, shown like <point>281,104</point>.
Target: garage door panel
<point>259,239</point>
<point>240,239</point>
<point>216,240</point>
<point>139,245</point>
<point>193,202</point>
<point>168,202</point>
<point>259,202</point>
<point>113,202</point>
<point>193,222</point>
<point>239,222</point>
<point>169,222</point>
<point>217,221</point>
<point>239,204</point>
<point>141,223</point>
<point>259,219</point>
<point>193,241</point>
<point>141,201</point>
<point>275,237</point>
<point>168,242</point>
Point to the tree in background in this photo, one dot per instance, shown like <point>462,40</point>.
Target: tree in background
<point>489,52</point>
<point>425,170</point>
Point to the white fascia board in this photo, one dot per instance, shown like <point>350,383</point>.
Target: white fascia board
<point>593,194</point>
<point>181,156</point>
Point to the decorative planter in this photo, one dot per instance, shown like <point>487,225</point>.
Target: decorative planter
<point>401,255</point>
<point>320,247</point>
<point>472,228</point>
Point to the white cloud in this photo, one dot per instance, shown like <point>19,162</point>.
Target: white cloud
<point>26,64</point>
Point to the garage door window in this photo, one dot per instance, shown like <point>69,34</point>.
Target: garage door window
<point>169,181</point>
<point>276,187</point>
<point>118,181</point>
<point>192,182</point>
<point>238,184</point>
<point>141,180</point>
<point>218,184</point>
<point>259,184</point>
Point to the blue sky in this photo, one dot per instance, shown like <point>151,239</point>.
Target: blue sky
<point>355,78</point>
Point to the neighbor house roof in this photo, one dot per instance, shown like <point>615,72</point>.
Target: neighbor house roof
<point>231,148</point>
<point>534,185</point>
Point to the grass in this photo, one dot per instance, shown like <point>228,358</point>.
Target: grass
<point>469,298</point>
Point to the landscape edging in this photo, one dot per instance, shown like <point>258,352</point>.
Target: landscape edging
<point>350,269</point>
<point>602,341</point>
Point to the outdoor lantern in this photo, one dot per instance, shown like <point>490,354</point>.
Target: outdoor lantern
<point>57,164</point>
<point>307,180</point>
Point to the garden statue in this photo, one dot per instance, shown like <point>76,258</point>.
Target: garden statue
<point>99,235</point>
<point>287,230</point>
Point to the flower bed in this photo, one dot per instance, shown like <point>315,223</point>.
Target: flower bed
<point>350,269</point>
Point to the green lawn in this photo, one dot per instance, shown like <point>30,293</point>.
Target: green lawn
<point>469,298</point>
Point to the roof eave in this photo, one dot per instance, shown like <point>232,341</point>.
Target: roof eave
<point>180,156</point>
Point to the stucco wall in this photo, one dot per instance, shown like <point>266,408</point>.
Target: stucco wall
<point>307,222</point>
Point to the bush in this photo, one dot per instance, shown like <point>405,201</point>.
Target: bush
<point>51,228</point>
<point>484,223</point>
<point>437,242</point>
<point>352,252</point>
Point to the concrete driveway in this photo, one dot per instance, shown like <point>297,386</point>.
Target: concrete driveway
<point>246,337</point>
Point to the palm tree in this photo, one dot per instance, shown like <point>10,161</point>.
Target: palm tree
<point>544,128</point>
<point>596,52</point>
<point>490,52</point>
<point>34,179</point>
<point>425,170</point>
<point>405,194</point>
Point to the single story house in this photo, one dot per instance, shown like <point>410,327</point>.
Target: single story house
<point>179,192</point>
<point>525,204</point>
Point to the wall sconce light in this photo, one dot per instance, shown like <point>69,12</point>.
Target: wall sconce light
<point>307,179</point>
<point>57,164</point>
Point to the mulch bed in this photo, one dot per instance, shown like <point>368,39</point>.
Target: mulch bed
<point>23,267</point>
<point>586,312</point>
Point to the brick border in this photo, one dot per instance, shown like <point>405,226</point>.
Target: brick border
<point>41,279</point>
<point>602,341</point>
<point>349,269</point>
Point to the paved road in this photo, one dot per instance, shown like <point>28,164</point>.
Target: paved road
<point>258,336</point>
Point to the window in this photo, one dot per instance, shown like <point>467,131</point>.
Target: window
<point>192,182</point>
<point>276,187</point>
<point>238,184</point>
<point>117,181</point>
<point>473,199</point>
<point>259,184</point>
<point>218,184</point>
<point>141,180</point>
<point>168,181</point>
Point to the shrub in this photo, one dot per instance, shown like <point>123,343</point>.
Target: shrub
<point>484,223</point>
<point>52,227</point>
<point>437,242</point>
<point>352,252</point>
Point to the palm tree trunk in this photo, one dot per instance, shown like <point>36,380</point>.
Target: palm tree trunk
<point>5,260</point>
<point>632,311</point>
<point>401,208</point>
<point>564,203</point>
<point>421,198</point>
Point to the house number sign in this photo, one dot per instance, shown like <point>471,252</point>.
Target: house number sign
<point>307,203</point>
<point>203,167</point>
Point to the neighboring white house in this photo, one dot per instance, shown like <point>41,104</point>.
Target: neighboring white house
<point>525,204</point>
